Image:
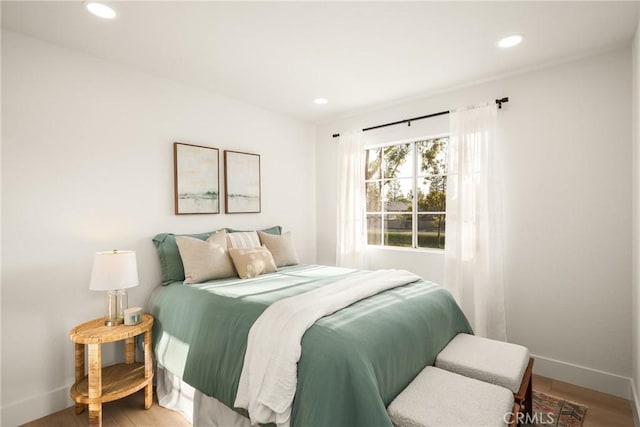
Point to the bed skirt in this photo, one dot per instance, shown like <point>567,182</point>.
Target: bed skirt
<point>198,408</point>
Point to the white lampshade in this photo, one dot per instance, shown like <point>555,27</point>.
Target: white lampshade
<point>114,270</point>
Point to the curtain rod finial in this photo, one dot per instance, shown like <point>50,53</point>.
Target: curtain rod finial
<point>500,101</point>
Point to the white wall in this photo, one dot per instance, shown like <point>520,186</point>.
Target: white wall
<point>567,132</point>
<point>86,166</point>
<point>636,224</point>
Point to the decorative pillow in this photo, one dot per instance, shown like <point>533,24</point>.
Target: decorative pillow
<point>281,247</point>
<point>252,262</point>
<point>170,260</point>
<point>205,260</point>
<point>243,240</point>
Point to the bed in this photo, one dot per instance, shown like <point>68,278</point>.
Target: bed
<point>353,362</point>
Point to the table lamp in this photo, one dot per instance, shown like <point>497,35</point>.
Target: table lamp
<point>114,272</point>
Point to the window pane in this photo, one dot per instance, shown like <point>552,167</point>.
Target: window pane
<point>374,229</point>
<point>432,156</point>
<point>398,195</point>
<point>431,231</point>
<point>374,196</point>
<point>373,160</point>
<point>395,176</point>
<point>398,161</point>
<point>397,230</point>
<point>432,194</point>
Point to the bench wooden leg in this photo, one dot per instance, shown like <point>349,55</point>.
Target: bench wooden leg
<point>514,415</point>
<point>528,400</point>
<point>524,396</point>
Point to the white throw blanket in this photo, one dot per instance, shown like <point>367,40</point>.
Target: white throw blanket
<point>269,375</point>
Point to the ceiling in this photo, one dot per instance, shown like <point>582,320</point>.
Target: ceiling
<point>282,55</point>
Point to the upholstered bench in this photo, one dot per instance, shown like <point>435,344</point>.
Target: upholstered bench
<point>496,362</point>
<point>440,398</point>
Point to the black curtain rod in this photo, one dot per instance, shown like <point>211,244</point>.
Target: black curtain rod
<point>408,121</point>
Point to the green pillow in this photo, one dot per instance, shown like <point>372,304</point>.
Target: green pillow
<point>276,229</point>
<point>170,260</point>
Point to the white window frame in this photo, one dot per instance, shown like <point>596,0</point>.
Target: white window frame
<point>414,201</point>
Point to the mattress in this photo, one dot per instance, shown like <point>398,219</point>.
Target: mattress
<point>353,363</point>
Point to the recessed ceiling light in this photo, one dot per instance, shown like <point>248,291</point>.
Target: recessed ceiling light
<point>100,9</point>
<point>510,41</point>
<point>320,101</point>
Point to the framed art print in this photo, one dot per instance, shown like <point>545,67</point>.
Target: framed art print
<point>196,177</point>
<point>241,182</point>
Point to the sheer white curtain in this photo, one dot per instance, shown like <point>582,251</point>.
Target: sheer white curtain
<point>473,250</point>
<point>352,228</point>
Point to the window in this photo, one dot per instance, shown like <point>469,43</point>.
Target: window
<point>406,186</point>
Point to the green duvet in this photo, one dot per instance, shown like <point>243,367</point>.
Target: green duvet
<point>353,363</point>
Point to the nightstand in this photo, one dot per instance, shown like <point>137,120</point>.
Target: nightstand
<point>105,384</point>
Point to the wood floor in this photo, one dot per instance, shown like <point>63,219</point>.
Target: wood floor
<point>604,410</point>
<point>126,412</point>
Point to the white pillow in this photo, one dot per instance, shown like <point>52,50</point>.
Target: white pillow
<point>243,239</point>
<point>205,259</point>
<point>281,247</point>
<point>252,262</point>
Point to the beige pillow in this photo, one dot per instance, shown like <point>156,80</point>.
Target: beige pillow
<point>205,259</point>
<point>252,262</point>
<point>243,240</point>
<point>281,247</point>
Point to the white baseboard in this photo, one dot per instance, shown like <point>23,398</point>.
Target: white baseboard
<point>18,413</point>
<point>635,405</point>
<point>582,376</point>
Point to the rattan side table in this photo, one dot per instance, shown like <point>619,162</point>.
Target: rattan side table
<point>105,384</point>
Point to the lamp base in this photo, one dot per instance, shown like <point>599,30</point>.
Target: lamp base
<point>112,322</point>
<point>115,307</point>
